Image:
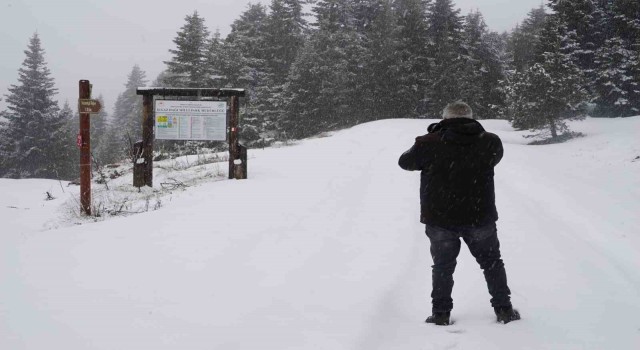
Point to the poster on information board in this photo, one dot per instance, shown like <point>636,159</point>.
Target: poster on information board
<point>191,120</point>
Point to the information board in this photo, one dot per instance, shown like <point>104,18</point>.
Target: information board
<point>191,120</point>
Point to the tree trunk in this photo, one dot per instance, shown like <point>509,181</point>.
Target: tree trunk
<point>552,125</point>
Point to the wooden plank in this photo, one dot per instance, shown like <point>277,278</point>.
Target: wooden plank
<point>208,92</point>
<point>147,138</point>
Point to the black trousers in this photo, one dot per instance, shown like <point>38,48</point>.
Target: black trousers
<point>484,246</point>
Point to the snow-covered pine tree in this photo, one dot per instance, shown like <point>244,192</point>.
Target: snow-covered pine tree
<point>112,148</point>
<point>411,64</point>
<point>187,67</point>
<point>485,67</point>
<point>30,141</point>
<point>99,124</point>
<point>99,133</point>
<point>525,38</point>
<point>374,77</point>
<point>213,61</point>
<point>244,64</point>
<point>126,123</point>
<point>68,160</point>
<point>320,84</point>
<point>617,86</point>
<point>549,93</point>
<point>244,67</point>
<point>625,20</point>
<point>624,23</point>
<point>285,33</point>
<point>445,48</point>
<point>581,17</point>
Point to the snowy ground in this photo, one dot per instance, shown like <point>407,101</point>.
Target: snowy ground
<point>321,249</point>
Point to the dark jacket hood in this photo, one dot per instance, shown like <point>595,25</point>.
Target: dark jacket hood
<point>458,130</point>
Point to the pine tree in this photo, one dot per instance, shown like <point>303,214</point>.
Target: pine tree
<point>321,84</point>
<point>485,67</point>
<point>188,66</point>
<point>411,63</point>
<point>525,39</point>
<point>612,80</point>
<point>30,141</point>
<point>580,16</point>
<point>617,86</point>
<point>551,92</point>
<point>626,20</point>
<point>285,31</point>
<point>323,87</point>
<point>213,61</point>
<point>445,43</point>
<point>374,73</point>
<point>244,67</point>
<point>303,104</point>
<point>285,34</point>
<point>67,160</point>
<point>245,49</point>
<point>127,115</point>
<point>99,130</point>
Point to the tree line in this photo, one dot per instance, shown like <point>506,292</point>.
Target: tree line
<point>354,61</point>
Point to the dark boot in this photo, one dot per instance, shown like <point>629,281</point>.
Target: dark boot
<point>439,318</point>
<point>506,314</point>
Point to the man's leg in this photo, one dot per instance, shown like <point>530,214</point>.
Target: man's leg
<point>484,246</point>
<point>445,246</point>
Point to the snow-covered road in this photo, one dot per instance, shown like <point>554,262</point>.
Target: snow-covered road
<point>321,249</point>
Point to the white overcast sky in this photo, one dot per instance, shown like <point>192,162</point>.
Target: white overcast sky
<point>101,40</point>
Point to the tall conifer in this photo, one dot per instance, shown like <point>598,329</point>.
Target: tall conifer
<point>548,94</point>
<point>126,123</point>
<point>33,135</point>
<point>411,62</point>
<point>321,84</point>
<point>187,67</point>
<point>445,43</point>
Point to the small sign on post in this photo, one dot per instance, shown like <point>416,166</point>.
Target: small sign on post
<point>86,105</point>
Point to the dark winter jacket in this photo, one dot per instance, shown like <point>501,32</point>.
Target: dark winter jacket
<point>456,158</point>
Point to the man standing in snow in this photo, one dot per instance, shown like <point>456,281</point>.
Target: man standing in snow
<point>457,199</point>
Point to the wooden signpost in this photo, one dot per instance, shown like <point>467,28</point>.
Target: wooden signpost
<point>85,106</point>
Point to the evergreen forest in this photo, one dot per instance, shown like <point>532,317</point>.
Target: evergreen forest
<point>312,66</point>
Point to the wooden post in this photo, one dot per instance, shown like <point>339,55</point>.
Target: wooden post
<point>85,151</point>
<point>147,138</point>
<point>234,147</point>
<point>241,170</point>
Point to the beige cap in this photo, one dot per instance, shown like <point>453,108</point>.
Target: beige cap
<point>457,109</point>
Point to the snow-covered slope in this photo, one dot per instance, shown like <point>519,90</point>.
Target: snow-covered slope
<point>321,249</point>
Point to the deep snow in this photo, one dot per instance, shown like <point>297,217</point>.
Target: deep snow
<point>321,249</point>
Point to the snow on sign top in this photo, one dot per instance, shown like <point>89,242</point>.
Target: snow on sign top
<point>204,92</point>
<point>191,120</point>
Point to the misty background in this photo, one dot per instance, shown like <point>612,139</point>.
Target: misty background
<point>101,40</point>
